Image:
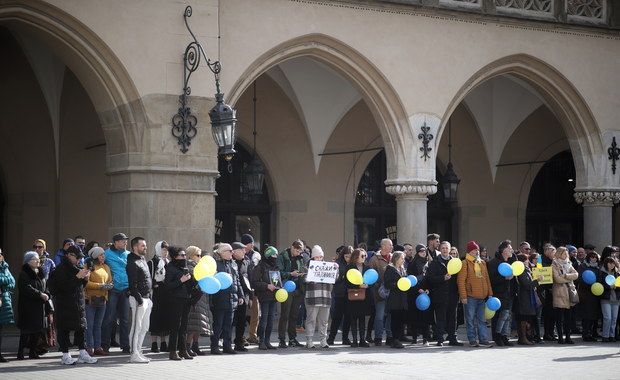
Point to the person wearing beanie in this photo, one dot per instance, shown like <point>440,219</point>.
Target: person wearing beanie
<point>318,301</point>
<point>96,293</point>
<point>31,304</point>
<point>264,289</point>
<point>39,246</point>
<point>474,288</point>
<point>62,251</point>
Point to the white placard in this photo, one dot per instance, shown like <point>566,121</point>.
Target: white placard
<point>322,271</point>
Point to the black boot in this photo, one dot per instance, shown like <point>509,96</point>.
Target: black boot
<point>154,348</point>
<point>189,350</point>
<point>354,342</point>
<point>164,346</point>
<point>32,345</point>
<point>196,349</point>
<point>23,338</point>
<point>363,342</point>
<point>498,339</point>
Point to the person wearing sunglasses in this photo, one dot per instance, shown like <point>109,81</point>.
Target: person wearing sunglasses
<point>47,265</point>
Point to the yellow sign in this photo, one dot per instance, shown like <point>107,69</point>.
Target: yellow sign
<point>546,272</point>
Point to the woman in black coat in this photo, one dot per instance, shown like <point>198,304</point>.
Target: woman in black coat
<point>31,305</point>
<point>358,310</point>
<point>178,284</point>
<point>264,289</point>
<point>397,300</point>
<point>420,319</point>
<point>528,300</point>
<point>339,296</point>
<point>589,304</point>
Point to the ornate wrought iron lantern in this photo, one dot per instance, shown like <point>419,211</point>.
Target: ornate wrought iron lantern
<point>450,181</point>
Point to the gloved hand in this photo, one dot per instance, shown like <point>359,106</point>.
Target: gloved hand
<point>107,286</point>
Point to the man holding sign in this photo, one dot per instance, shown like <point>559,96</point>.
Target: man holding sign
<point>319,284</point>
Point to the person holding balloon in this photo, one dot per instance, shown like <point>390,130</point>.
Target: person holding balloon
<point>589,305</point>
<point>610,299</point>
<point>527,300</point>
<point>396,301</point>
<point>420,320</point>
<point>199,319</point>
<point>474,287</point>
<point>178,282</point>
<point>503,284</point>
<point>340,313</point>
<point>444,294</point>
<point>225,302</point>
<point>361,306</point>
<point>563,276</point>
<point>264,290</point>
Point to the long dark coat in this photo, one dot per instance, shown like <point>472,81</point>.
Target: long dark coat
<point>589,305</point>
<point>30,305</point>
<point>358,308</point>
<point>68,292</point>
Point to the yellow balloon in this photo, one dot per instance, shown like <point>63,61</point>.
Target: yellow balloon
<point>200,271</point>
<point>488,313</point>
<point>517,268</point>
<point>454,266</point>
<point>281,295</point>
<point>404,284</point>
<point>597,289</point>
<point>355,277</point>
<point>618,282</point>
<point>209,261</point>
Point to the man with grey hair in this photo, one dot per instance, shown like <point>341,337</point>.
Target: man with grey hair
<point>379,262</point>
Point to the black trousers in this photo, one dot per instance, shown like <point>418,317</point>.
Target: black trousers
<point>398,318</point>
<point>239,322</point>
<point>63,339</point>
<point>178,315</point>
<point>445,316</point>
<point>339,315</point>
<point>358,324</point>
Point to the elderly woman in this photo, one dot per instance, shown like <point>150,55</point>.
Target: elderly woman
<point>358,309</point>
<point>31,306</point>
<point>224,302</point>
<point>178,283</point>
<point>200,317</point>
<point>7,284</point>
<point>99,282</point>
<point>610,299</point>
<point>589,304</point>
<point>396,302</point>
<point>563,276</point>
<point>158,324</point>
<point>318,301</point>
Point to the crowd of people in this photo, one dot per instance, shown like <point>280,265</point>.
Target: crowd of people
<point>95,293</point>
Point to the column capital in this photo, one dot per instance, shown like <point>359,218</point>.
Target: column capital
<point>408,188</point>
<point>593,197</point>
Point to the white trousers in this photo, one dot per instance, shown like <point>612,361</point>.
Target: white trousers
<point>317,318</point>
<point>140,319</point>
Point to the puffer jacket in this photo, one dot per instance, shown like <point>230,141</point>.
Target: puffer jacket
<point>7,284</point>
<point>30,306</point>
<point>472,286</point>
<point>68,296</point>
<point>560,279</point>
<point>227,299</point>
<point>139,277</point>
<point>200,317</point>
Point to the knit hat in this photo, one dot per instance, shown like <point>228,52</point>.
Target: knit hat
<point>247,239</point>
<point>270,251</point>
<point>42,243</point>
<point>317,251</point>
<point>67,241</point>
<point>471,246</point>
<point>571,248</point>
<point>95,252</point>
<point>420,248</point>
<point>29,256</point>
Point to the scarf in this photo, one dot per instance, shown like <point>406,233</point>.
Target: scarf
<point>160,271</point>
<point>566,265</point>
<point>592,265</point>
<point>476,260</point>
<point>400,270</point>
<point>387,257</point>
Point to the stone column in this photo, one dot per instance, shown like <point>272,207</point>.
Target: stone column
<point>597,215</point>
<point>411,216</point>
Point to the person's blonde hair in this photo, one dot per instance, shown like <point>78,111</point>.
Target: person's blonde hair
<point>560,251</point>
<point>192,252</point>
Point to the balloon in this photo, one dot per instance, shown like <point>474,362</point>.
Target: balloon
<point>505,270</point>
<point>200,271</point>
<point>224,278</point>
<point>403,284</point>
<point>588,277</point>
<point>494,303</point>
<point>454,266</point>
<point>413,279</point>
<point>209,261</point>
<point>370,276</point>
<point>290,286</point>
<point>355,277</point>
<point>488,313</point>
<point>618,282</point>
<point>423,301</point>
<point>209,285</point>
<point>610,280</point>
<point>597,289</point>
<point>517,268</point>
<point>281,295</point>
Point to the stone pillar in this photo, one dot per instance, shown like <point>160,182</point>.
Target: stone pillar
<point>597,215</point>
<point>411,216</point>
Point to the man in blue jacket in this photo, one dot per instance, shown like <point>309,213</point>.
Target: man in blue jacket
<point>118,302</point>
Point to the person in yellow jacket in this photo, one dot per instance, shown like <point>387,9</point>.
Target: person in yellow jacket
<point>96,294</point>
<point>474,288</point>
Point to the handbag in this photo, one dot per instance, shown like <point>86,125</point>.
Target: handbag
<point>573,296</point>
<point>383,292</point>
<point>97,301</point>
<point>356,294</point>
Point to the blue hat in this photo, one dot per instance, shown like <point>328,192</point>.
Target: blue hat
<point>29,256</point>
<point>571,248</point>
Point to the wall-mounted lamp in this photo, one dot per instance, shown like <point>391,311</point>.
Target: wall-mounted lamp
<point>450,180</point>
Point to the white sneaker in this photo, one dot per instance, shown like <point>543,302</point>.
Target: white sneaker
<point>144,357</point>
<point>309,343</point>
<point>137,359</point>
<point>67,360</point>
<point>86,359</point>
<point>324,343</point>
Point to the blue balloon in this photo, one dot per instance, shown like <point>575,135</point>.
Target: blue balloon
<point>423,301</point>
<point>413,279</point>
<point>370,276</point>
<point>494,303</point>
<point>610,280</point>
<point>505,269</point>
<point>209,285</point>
<point>588,277</point>
<point>225,279</point>
<point>290,286</point>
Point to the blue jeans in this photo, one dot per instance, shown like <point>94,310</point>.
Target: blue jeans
<point>94,320</point>
<point>117,308</point>
<point>503,323</point>
<point>382,321</point>
<point>610,315</point>
<point>474,309</point>
<point>267,315</point>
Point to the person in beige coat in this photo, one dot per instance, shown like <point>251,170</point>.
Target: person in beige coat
<point>563,276</point>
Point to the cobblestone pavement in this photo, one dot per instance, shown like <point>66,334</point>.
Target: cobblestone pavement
<point>547,361</point>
